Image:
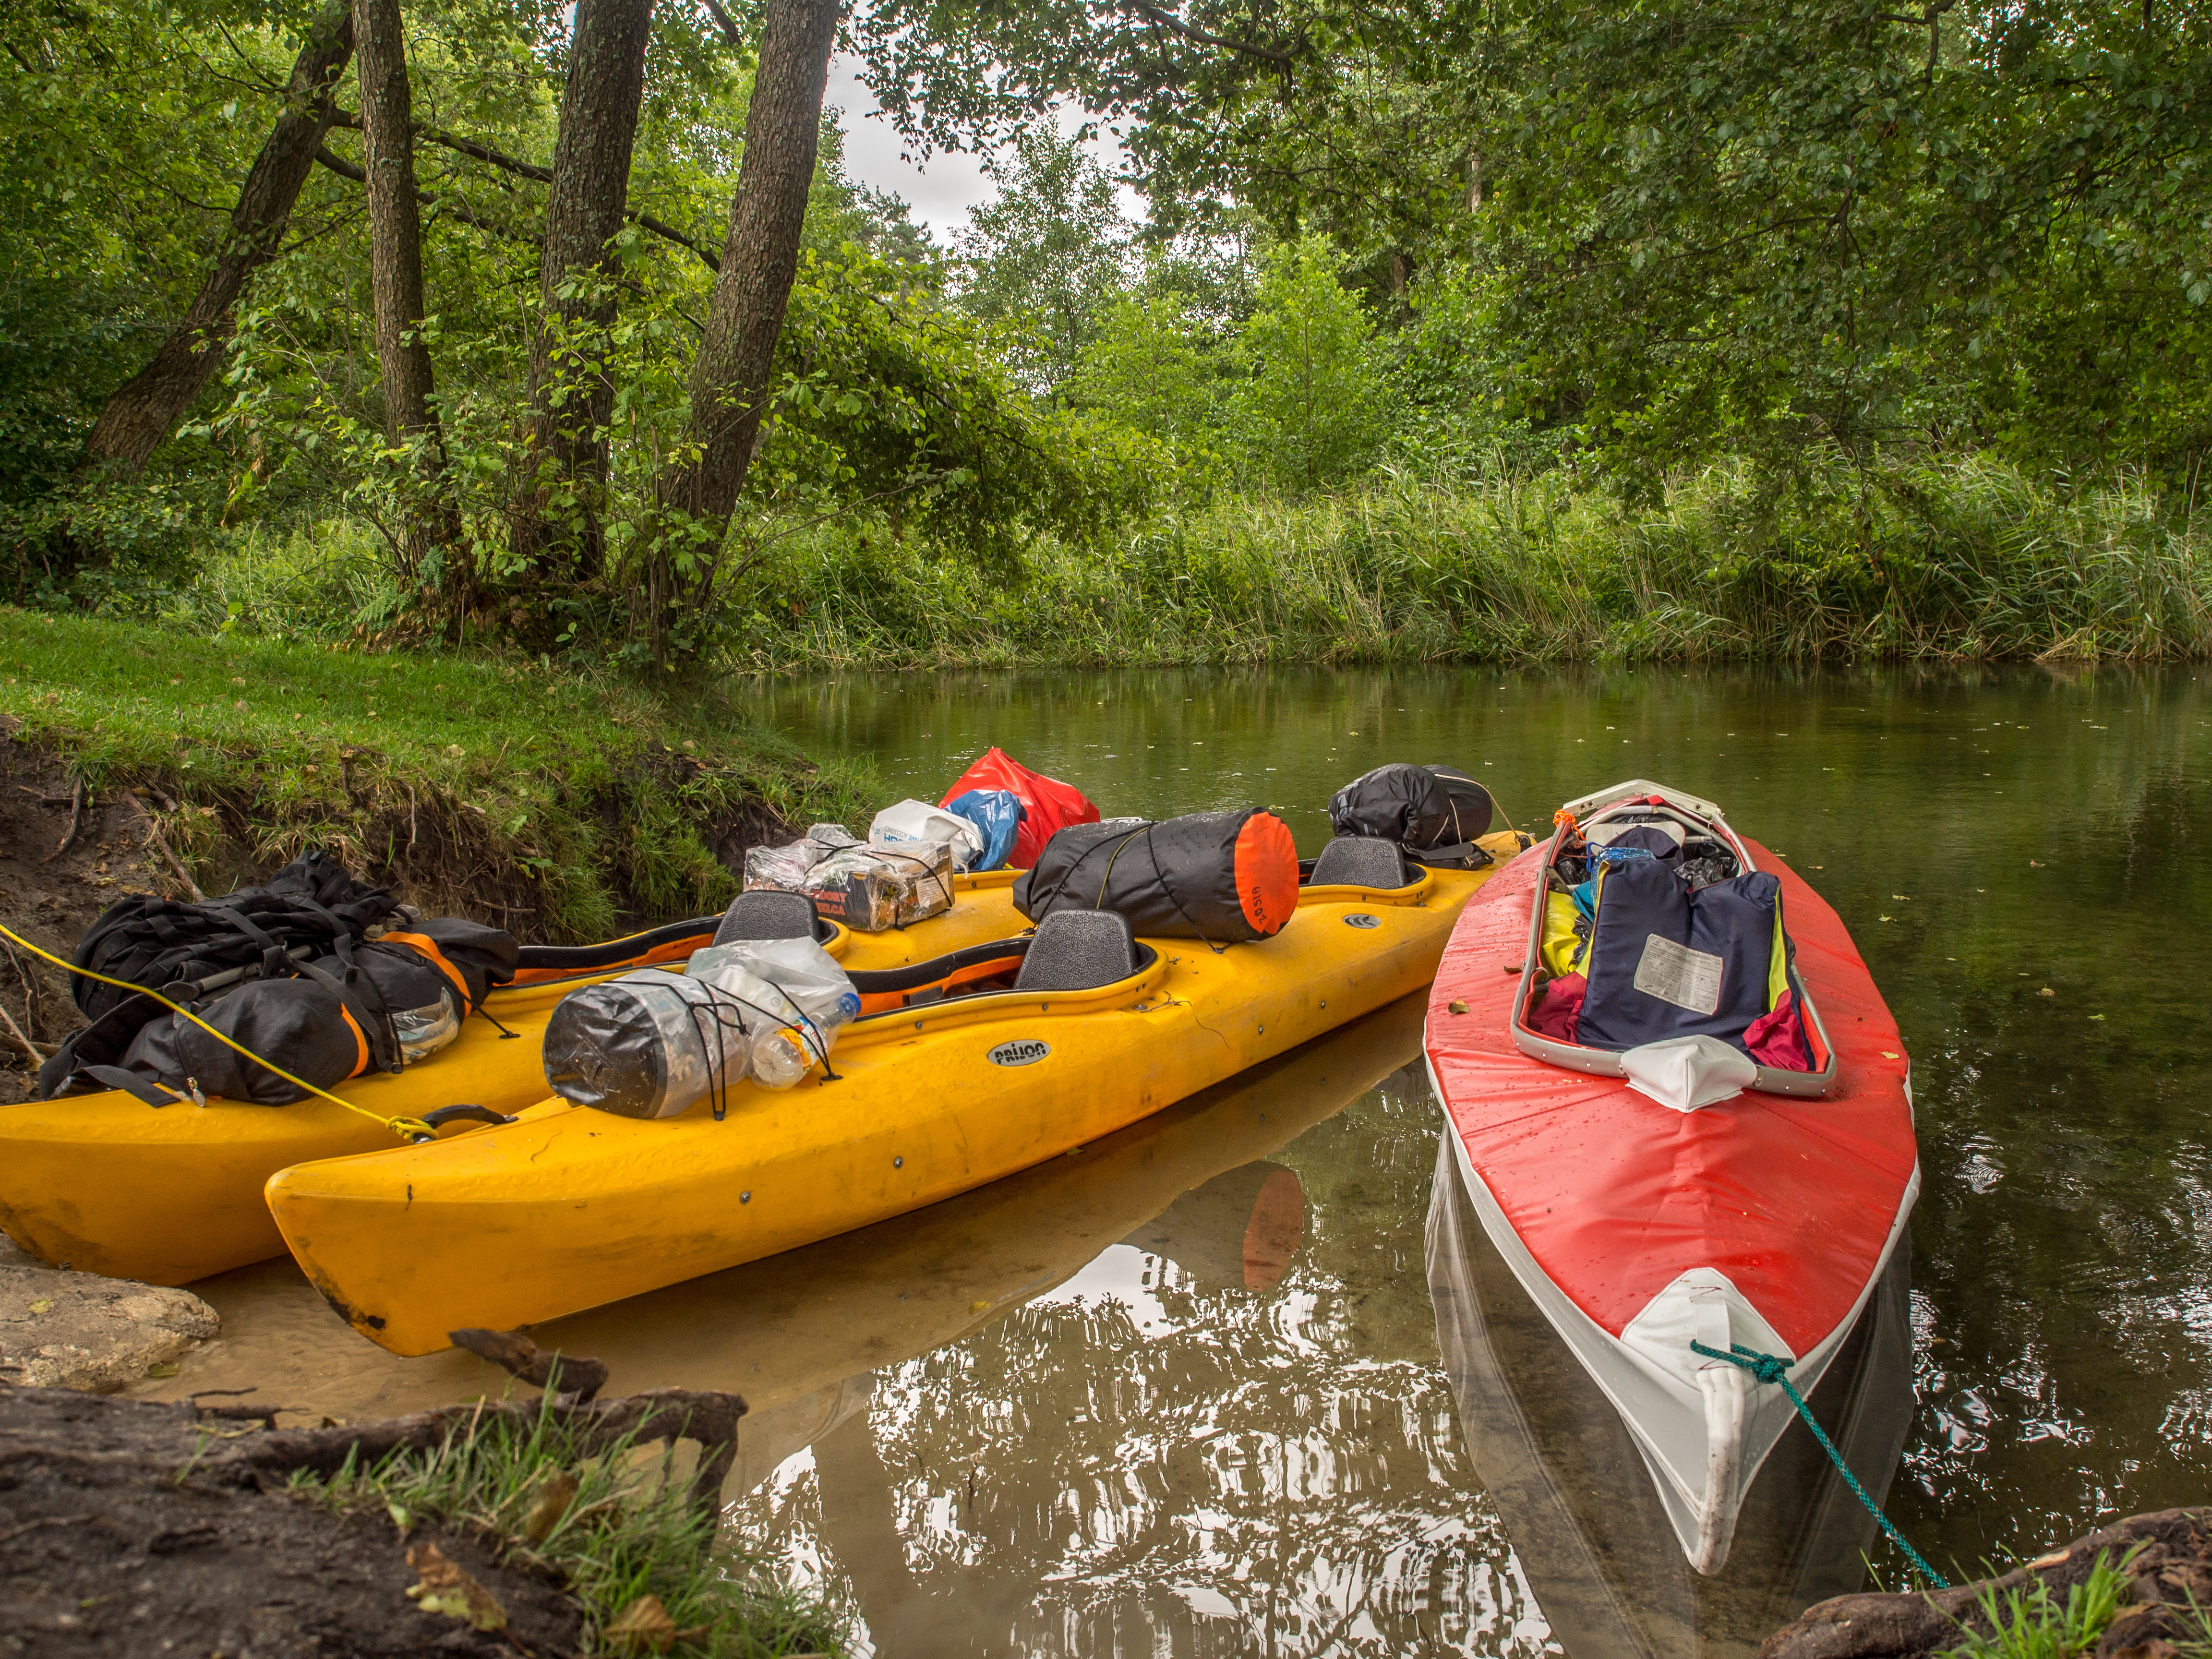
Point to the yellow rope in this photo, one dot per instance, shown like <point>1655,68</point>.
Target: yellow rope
<point>405,1128</point>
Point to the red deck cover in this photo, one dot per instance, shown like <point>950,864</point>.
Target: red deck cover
<point>1616,1195</point>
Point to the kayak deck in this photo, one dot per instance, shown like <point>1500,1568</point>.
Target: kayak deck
<point>571,1208</point>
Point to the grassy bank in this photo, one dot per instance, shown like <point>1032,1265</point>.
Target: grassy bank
<point>618,1526</point>
<point>564,805</point>
<point>1967,560</point>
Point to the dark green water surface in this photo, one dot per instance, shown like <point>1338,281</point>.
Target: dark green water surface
<point>1247,1377</point>
<point>2021,855</point>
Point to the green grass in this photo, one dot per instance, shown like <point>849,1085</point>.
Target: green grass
<point>629,1530</point>
<point>1961,559</point>
<point>562,804</point>
<point>2032,1623</point>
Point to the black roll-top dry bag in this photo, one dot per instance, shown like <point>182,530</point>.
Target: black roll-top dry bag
<point>1435,812</point>
<point>1226,878</point>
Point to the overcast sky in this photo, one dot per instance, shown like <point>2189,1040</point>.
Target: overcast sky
<point>944,189</point>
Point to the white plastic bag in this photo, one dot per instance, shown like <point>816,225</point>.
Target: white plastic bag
<point>1687,1072</point>
<point>898,828</point>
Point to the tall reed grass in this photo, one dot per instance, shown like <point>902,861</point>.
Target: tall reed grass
<point>1964,559</point>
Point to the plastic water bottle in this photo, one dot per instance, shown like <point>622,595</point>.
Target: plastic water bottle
<point>785,1054</point>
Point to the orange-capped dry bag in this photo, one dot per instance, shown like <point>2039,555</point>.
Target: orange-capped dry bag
<point>1048,805</point>
<point>1226,878</point>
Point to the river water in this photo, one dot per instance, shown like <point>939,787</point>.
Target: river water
<point>1245,1378</point>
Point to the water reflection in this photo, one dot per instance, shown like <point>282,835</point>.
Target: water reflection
<point>1175,1394</point>
<point>2017,852</point>
<point>1193,1445</point>
<point>1578,1502</point>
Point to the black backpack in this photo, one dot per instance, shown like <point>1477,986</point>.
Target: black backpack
<point>312,907</point>
<point>1435,813</point>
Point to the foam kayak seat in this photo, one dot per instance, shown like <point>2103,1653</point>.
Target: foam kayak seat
<point>765,913</point>
<point>1359,861</point>
<point>1078,951</point>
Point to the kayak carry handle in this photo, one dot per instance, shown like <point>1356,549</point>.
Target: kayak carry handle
<point>445,1115</point>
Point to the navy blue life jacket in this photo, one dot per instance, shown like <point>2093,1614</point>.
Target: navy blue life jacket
<point>1664,962</point>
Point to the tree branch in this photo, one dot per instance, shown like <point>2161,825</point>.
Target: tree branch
<point>1175,25</point>
<point>453,206</point>
<point>484,153</point>
<point>722,22</point>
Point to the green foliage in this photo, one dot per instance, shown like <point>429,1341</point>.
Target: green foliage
<point>1314,407</point>
<point>568,800</point>
<point>1044,257</point>
<point>1969,560</point>
<point>2030,1623</point>
<point>1151,370</point>
<point>629,1530</point>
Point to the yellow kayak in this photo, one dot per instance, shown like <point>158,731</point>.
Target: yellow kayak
<point>571,1208</point>
<point>107,1184</point>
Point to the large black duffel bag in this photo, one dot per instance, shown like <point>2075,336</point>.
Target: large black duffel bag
<point>1224,878</point>
<point>1435,812</point>
<point>284,969</point>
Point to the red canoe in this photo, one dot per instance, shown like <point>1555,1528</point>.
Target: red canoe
<point>1762,1221</point>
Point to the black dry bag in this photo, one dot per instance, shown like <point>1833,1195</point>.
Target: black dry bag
<point>1226,878</point>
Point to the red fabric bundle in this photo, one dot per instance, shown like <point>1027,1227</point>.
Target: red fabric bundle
<point>1048,805</point>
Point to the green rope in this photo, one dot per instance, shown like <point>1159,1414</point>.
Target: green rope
<point>1768,1369</point>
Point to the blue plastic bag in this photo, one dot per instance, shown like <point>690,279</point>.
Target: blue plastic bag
<point>996,813</point>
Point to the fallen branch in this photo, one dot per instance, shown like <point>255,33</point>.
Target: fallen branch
<point>154,839</point>
<point>578,1379</point>
<point>77,799</point>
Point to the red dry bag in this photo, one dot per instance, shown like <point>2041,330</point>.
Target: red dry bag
<point>1048,805</point>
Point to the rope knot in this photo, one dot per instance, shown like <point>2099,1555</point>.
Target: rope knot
<point>1766,1367</point>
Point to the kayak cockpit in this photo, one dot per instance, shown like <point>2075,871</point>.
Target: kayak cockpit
<point>1692,964</point>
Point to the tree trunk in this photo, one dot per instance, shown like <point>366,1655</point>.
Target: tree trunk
<point>570,397</point>
<point>395,263</point>
<point>730,382</point>
<point>146,407</point>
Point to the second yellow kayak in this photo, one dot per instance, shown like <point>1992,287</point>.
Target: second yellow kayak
<point>570,1208</point>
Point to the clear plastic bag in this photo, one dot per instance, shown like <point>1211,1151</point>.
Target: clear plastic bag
<point>798,1000</point>
<point>781,869</point>
<point>923,871</point>
<point>423,1031</point>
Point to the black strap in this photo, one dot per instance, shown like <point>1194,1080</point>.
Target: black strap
<point>368,1012</point>
<point>139,1088</point>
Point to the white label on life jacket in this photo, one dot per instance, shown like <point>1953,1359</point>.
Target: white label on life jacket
<point>1674,973</point>
<point>1022,1051</point>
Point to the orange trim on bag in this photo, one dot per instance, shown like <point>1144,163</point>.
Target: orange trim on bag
<point>1267,872</point>
<point>360,1042</point>
<point>423,944</point>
